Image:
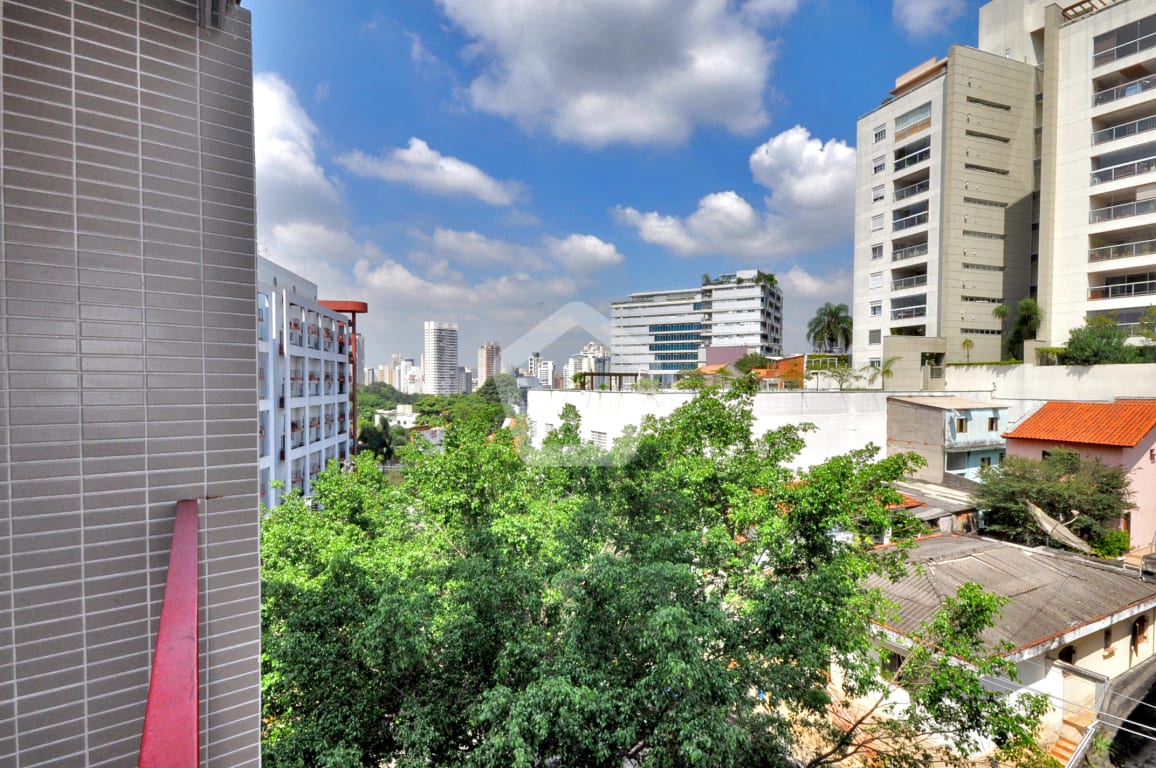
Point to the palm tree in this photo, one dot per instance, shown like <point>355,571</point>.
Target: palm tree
<point>885,371</point>
<point>830,328</point>
<point>967,344</point>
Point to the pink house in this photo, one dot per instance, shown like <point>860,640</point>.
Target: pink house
<point>1121,433</point>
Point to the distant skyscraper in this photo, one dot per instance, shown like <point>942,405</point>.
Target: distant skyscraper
<point>489,361</point>
<point>440,363</point>
<point>594,358</point>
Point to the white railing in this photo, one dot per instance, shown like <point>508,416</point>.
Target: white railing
<point>1109,95</point>
<point>1124,130</point>
<point>1124,170</point>
<point>1122,290</point>
<point>913,158</point>
<point>1122,211</point>
<point>1123,250</point>
<point>909,221</point>
<point>904,283</point>
<point>906,313</point>
<point>910,252</point>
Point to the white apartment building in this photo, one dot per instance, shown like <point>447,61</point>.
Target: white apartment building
<point>660,333</point>
<point>1024,167</point>
<point>440,359</point>
<point>304,379</point>
<point>594,358</point>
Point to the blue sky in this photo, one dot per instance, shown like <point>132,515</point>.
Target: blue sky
<point>488,162</point>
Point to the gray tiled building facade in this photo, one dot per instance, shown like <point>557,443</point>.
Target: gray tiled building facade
<point>127,369</point>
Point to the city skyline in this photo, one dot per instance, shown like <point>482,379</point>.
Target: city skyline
<point>490,168</point>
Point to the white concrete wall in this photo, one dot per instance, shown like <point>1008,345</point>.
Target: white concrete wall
<point>1057,382</point>
<point>845,420</point>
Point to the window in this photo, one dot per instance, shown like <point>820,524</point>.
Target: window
<point>985,461</point>
<point>878,164</point>
<point>913,121</point>
<point>874,337</point>
<point>877,251</point>
<point>961,426</point>
<point>993,424</point>
<point>875,363</point>
<point>877,193</point>
<point>880,133</point>
<point>986,103</point>
<point>875,280</point>
<point>891,665</point>
<point>876,309</point>
<point>877,222</point>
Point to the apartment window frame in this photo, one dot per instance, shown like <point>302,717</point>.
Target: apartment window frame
<point>880,133</point>
<point>875,280</point>
<point>875,309</point>
<point>878,193</point>
<point>878,164</point>
<point>877,222</point>
<point>876,251</point>
<point>961,425</point>
<point>874,336</point>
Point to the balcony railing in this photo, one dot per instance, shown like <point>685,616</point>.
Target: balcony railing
<point>1124,170</point>
<point>913,159</point>
<point>910,252</point>
<point>909,221</point>
<point>1123,251</point>
<point>1109,95</point>
<point>1123,210</point>
<point>912,129</point>
<point>904,283</point>
<point>1124,49</point>
<point>1122,290</point>
<point>906,313</point>
<point>1143,125</point>
<point>912,190</point>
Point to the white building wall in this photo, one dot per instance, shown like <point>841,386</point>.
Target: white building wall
<point>304,380</point>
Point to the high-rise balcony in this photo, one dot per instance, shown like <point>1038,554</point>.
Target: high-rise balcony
<point>1122,290</point>
<point>1122,210</point>
<point>908,313</point>
<point>1122,251</point>
<point>1132,88</point>
<point>913,159</point>
<point>903,283</point>
<point>1142,43</point>
<point>1124,170</point>
<point>911,190</point>
<point>1124,130</point>
<point>909,221</point>
<point>910,252</point>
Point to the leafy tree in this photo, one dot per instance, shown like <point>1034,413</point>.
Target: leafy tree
<point>382,440</point>
<point>843,375</point>
<point>1059,483</point>
<point>830,328</point>
<point>1027,322</point>
<point>1148,324</point>
<point>1100,340</point>
<point>489,391</point>
<point>692,379</point>
<point>667,602</point>
<point>647,385</point>
<point>751,361</point>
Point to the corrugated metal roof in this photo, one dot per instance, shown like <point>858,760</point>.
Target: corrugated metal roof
<point>1050,593</point>
<point>1118,423</point>
<point>946,403</point>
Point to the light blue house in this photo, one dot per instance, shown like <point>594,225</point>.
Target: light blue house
<point>955,435</point>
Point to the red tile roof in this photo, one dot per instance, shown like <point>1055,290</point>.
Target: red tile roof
<point>1119,423</point>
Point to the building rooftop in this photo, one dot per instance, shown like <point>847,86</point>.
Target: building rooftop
<point>1121,423</point>
<point>1050,593</point>
<point>946,403</point>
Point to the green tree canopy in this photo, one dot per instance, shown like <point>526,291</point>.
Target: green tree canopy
<point>1059,483</point>
<point>1100,340</point>
<point>751,361</point>
<point>1027,322</point>
<point>665,602</point>
<point>830,328</point>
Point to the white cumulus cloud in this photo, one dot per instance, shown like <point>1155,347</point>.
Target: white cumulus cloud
<point>599,72</point>
<point>810,205</point>
<point>926,17</point>
<point>291,183</point>
<point>421,166</point>
<point>583,252</point>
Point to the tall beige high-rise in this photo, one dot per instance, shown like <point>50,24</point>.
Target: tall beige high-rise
<point>127,371</point>
<point>1024,167</point>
